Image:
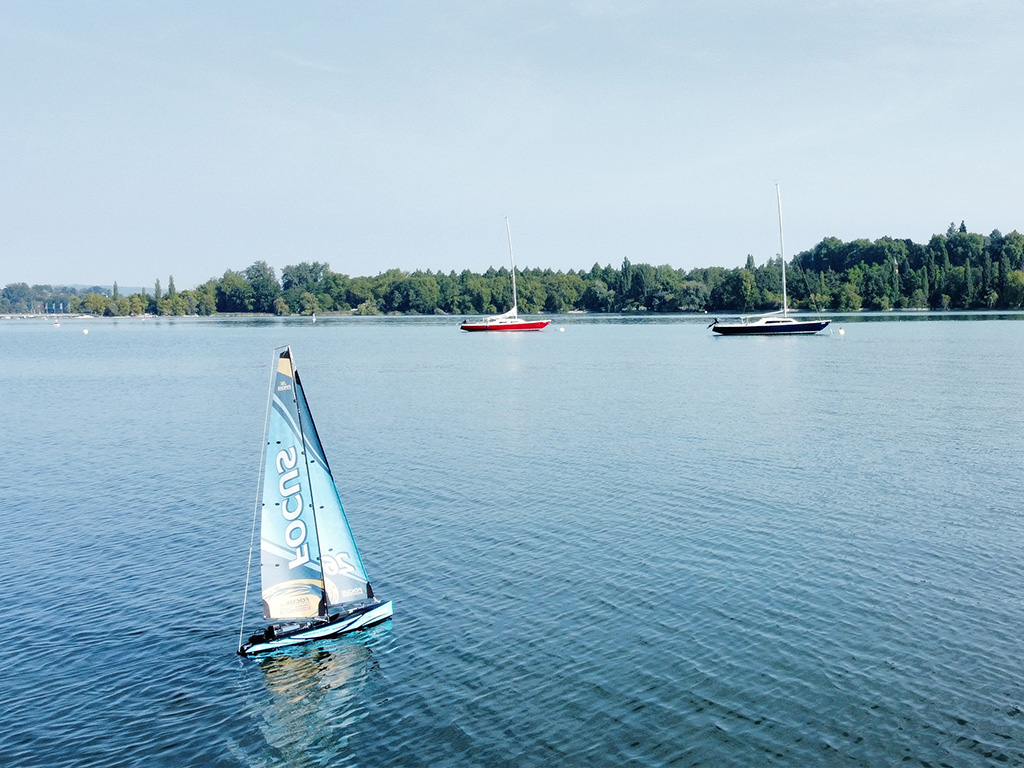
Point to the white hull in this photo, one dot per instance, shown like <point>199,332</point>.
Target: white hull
<point>361,620</point>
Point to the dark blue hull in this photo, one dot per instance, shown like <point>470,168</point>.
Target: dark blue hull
<point>770,329</point>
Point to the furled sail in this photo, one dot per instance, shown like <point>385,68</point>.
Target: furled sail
<point>293,584</point>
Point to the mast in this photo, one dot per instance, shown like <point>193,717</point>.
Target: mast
<point>512,260</point>
<point>782,251</point>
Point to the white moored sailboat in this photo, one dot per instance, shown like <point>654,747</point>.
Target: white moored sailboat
<point>314,582</point>
<point>772,324</point>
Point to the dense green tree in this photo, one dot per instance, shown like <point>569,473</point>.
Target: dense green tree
<point>95,303</point>
<point>450,292</point>
<point>562,292</point>
<point>643,287</point>
<point>359,291</point>
<point>1013,249</point>
<point>875,287</point>
<point>737,291</point>
<point>849,300</point>
<point>625,282</point>
<point>768,280</point>
<point>596,297</point>
<point>234,293</point>
<point>308,303</point>
<point>476,297</point>
<point>306,275</point>
<point>417,293</point>
<point>500,284</point>
<point>1013,296</point>
<point>691,296</point>
<point>190,302</point>
<point>964,247</point>
<point>1003,271</point>
<point>206,298</point>
<point>265,287</point>
<point>336,286</point>
<point>19,296</point>
<point>531,293</point>
<point>368,307</point>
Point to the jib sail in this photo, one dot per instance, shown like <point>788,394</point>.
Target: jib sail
<point>343,573</point>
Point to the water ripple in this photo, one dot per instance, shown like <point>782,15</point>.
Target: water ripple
<point>622,544</point>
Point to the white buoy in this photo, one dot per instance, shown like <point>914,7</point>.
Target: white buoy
<point>85,330</point>
<point>841,331</point>
<point>561,330</point>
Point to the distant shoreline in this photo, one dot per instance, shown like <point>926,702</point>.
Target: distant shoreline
<point>567,315</point>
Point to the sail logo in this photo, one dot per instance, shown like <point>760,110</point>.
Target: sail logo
<point>338,564</point>
<point>295,532</point>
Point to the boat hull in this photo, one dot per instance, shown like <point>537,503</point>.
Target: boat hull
<point>754,329</point>
<point>350,622</point>
<point>520,325</point>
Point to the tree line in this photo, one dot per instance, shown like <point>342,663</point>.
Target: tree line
<point>957,270</point>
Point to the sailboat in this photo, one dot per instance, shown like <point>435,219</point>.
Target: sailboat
<point>507,321</point>
<point>314,585</point>
<point>772,324</point>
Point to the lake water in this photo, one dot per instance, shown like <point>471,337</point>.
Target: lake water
<point>618,541</point>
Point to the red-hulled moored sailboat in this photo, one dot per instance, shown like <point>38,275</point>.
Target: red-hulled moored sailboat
<point>507,321</point>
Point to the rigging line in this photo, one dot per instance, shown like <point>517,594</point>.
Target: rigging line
<point>810,295</point>
<point>259,490</point>
<point>810,290</point>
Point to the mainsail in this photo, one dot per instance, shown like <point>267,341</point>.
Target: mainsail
<point>309,558</point>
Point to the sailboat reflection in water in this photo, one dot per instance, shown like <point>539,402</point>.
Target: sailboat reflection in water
<point>305,694</point>
<point>314,582</point>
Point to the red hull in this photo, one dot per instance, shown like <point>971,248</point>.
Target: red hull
<point>518,325</point>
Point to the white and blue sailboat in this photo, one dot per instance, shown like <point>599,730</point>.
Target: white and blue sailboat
<point>314,583</point>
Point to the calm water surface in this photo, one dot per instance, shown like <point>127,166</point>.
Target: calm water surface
<point>619,541</point>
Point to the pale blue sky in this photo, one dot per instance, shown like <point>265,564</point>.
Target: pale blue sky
<point>141,140</point>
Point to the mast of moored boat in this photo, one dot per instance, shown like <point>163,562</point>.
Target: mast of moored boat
<point>782,252</point>
<point>512,261</point>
